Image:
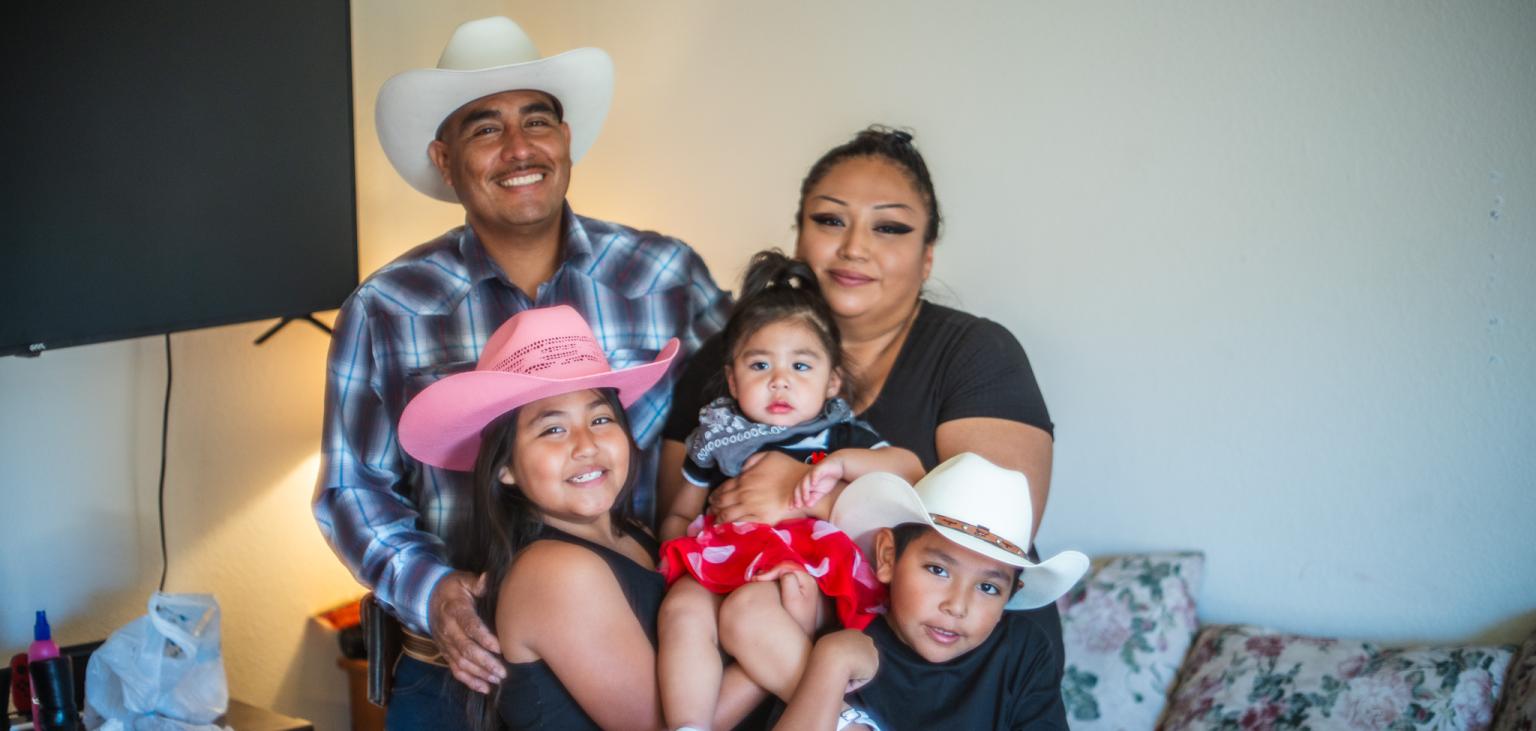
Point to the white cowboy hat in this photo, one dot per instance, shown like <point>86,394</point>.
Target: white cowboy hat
<point>484,57</point>
<point>970,502</point>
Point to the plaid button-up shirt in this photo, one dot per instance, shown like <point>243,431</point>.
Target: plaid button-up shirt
<point>427,314</point>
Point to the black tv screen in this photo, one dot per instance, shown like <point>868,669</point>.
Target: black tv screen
<point>173,164</point>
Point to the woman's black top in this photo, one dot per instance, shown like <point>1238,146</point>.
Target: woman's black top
<point>531,696</point>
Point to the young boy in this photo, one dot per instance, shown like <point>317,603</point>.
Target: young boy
<point>948,653</point>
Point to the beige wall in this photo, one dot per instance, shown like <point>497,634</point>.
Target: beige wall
<point>1273,263</point>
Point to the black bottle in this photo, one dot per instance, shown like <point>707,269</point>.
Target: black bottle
<point>53,685</point>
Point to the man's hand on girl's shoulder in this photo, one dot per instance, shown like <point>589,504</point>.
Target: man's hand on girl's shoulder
<point>471,650</point>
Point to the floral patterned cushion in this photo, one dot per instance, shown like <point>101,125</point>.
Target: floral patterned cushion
<point>1517,707</point>
<point>1127,626</point>
<point>1249,678</point>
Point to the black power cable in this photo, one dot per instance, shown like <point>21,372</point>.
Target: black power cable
<point>165,428</point>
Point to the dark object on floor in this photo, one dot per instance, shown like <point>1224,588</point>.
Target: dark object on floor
<point>53,682</point>
<point>354,645</point>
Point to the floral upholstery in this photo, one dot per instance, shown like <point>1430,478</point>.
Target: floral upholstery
<point>1518,706</point>
<point>1127,626</point>
<point>1241,677</point>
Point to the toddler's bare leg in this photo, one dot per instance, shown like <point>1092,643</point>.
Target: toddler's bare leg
<point>769,642</point>
<point>688,665</point>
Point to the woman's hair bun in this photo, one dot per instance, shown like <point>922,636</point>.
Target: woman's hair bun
<point>880,134</point>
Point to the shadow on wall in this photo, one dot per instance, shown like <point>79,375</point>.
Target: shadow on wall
<point>1519,625</point>
<point>313,686</point>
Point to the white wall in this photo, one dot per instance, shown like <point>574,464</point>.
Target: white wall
<point>80,437</point>
<point>1274,265</point>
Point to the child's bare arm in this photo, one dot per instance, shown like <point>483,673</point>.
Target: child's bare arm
<point>687,504</point>
<point>841,663</point>
<point>846,465</point>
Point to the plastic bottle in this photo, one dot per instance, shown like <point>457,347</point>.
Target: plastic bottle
<point>42,648</point>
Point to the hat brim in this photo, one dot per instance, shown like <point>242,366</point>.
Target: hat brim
<point>413,104</point>
<point>882,500</point>
<point>441,426</point>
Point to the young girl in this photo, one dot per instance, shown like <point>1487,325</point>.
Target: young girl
<point>572,587</point>
<point>785,375</point>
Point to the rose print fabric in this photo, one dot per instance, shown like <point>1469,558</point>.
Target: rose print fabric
<point>1126,627</point>
<point>1242,677</point>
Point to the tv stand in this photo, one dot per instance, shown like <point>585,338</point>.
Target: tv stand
<point>308,317</point>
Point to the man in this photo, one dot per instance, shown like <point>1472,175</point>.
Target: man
<point>495,128</point>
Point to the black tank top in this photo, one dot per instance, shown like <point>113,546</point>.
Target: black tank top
<point>531,696</point>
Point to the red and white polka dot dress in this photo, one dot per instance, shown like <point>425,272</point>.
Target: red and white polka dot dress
<point>723,557</point>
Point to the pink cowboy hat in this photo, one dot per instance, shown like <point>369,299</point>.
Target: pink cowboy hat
<point>535,354</point>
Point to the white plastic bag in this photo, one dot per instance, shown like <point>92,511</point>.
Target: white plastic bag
<point>162,671</point>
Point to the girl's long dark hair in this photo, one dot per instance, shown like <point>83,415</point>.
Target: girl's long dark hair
<point>501,522</point>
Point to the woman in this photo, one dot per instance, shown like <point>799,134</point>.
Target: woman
<point>931,379</point>
<point>570,577</point>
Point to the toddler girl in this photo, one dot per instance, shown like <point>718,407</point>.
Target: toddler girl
<point>784,370</point>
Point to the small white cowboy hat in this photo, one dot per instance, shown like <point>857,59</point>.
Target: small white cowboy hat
<point>970,502</point>
<point>485,57</point>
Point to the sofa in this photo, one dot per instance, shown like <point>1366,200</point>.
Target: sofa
<point>1137,658</point>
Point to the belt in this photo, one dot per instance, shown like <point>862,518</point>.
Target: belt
<point>421,647</point>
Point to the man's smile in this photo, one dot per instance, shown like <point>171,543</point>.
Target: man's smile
<point>518,181</point>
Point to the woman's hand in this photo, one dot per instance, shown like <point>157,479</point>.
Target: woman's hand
<point>763,491</point>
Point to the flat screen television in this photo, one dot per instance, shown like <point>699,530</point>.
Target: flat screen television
<point>171,165</point>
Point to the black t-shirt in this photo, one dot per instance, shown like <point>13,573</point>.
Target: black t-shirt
<point>1012,681</point>
<point>532,696</point>
<point>953,365</point>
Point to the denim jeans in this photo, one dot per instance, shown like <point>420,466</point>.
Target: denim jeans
<point>425,697</point>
